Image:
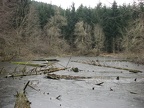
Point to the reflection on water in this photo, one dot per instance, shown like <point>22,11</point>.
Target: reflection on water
<point>42,92</point>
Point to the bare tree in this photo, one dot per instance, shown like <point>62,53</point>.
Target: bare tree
<point>99,38</point>
<point>7,34</point>
<point>53,36</point>
<point>133,41</point>
<point>83,37</point>
<point>28,31</point>
<point>134,38</point>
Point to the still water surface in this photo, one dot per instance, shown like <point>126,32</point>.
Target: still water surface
<point>50,93</point>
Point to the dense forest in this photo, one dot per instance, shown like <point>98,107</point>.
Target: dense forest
<point>29,28</point>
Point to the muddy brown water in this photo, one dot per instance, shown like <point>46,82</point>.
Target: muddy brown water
<point>82,93</point>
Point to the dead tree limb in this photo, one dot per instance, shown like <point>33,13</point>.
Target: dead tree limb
<point>25,86</point>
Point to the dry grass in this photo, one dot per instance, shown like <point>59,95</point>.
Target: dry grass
<point>22,101</point>
<point>135,57</point>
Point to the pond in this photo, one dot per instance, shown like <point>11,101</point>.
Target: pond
<point>106,85</point>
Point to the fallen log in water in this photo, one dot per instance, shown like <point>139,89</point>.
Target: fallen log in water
<point>98,64</point>
<point>46,60</point>
<point>39,72</point>
<point>22,101</point>
<point>29,64</point>
<point>50,70</point>
<point>68,77</point>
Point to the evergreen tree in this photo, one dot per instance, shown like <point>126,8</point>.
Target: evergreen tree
<point>46,11</point>
<point>111,25</point>
<point>71,21</point>
<point>106,25</point>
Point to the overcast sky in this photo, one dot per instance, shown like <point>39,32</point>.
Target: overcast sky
<point>92,3</point>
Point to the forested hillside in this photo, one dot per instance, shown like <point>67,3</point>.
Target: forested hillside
<point>30,28</point>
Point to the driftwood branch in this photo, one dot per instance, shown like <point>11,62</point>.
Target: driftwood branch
<point>68,62</point>
<point>34,88</point>
<point>99,83</point>
<point>26,86</point>
<point>44,71</point>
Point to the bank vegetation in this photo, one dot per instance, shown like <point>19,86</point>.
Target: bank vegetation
<point>30,29</point>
